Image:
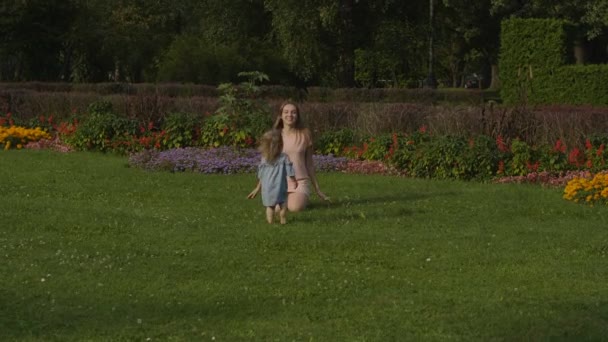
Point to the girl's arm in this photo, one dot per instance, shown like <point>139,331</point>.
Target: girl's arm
<point>310,168</point>
<point>255,191</point>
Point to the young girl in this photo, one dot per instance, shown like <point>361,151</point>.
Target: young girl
<point>273,171</point>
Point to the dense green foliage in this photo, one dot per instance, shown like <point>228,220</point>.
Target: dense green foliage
<point>533,64</point>
<point>304,43</point>
<point>531,50</point>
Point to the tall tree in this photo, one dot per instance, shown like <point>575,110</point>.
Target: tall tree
<point>470,36</point>
<point>596,17</point>
<point>33,32</point>
<point>299,29</point>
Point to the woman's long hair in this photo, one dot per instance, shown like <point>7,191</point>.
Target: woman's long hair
<point>278,123</point>
<point>271,145</point>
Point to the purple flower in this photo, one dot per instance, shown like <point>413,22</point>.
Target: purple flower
<point>227,160</point>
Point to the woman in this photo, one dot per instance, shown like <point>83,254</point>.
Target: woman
<point>297,145</point>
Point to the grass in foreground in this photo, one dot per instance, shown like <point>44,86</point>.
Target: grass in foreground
<point>94,250</point>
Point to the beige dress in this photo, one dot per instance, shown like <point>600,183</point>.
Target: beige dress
<point>295,146</point>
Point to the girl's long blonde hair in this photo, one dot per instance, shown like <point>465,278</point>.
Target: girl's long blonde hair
<point>271,145</point>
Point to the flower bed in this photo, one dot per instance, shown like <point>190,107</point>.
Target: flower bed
<point>227,160</point>
<point>17,136</point>
<point>588,189</point>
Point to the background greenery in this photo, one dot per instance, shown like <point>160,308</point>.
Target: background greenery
<point>534,65</point>
<point>93,250</point>
<point>334,43</point>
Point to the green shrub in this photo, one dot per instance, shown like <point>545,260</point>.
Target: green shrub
<point>334,142</point>
<point>480,160</point>
<point>520,159</point>
<point>100,127</point>
<point>215,63</point>
<point>182,130</point>
<point>216,131</point>
<point>554,158</point>
<point>446,157</point>
<point>376,148</point>
<point>241,117</point>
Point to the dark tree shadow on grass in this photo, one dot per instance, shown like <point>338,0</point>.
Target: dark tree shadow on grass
<point>347,201</point>
<point>365,208</point>
<point>575,322</point>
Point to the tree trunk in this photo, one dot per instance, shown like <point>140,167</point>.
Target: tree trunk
<point>580,52</point>
<point>346,59</point>
<point>494,79</point>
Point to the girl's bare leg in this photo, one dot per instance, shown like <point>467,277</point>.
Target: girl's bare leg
<point>296,201</point>
<point>283,214</point>
<point>270,214</point>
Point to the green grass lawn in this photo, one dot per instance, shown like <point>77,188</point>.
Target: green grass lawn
<point>94,250</point>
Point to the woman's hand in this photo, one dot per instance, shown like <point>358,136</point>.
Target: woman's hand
<point>323,196</point>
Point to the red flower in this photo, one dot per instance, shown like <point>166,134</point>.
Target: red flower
<point>390,153</point>
<point>532,167</point>
<point>559,146</point>
<point>588,145</point>
<point>501,167</point>
<point>574,157</point>
<point>600,150</point>
<point>423,129</point>
<point>502,147</point>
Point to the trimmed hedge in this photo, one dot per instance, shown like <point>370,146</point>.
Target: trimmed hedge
<point>534,69</point>
<point>310,94</point>
<point>115,88</point>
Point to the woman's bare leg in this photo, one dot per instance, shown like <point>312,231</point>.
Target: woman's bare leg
<point>296,201</point>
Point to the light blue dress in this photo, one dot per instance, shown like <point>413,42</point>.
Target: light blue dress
<point>274,180</point>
